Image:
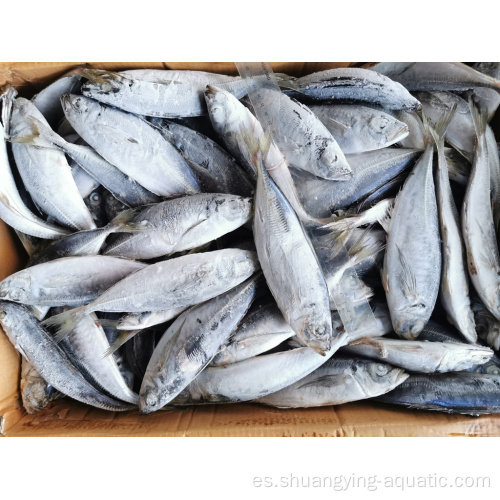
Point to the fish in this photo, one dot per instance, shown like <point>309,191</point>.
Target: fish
<point>36,393</point>
<point>217,171</point>
<point>254,377</point>
<point>66,281</point>
<point>354,85</point>
<point>84,158</point>
<point>131,145</point>
<point>40,350</point>
<point>82,242</point>
<point>142,320</point>
<point>48,100</point>
<point>487,98</point>
<point>302,138</point>
<point>170,99</point>
<point>288,260</point>
<point>181,224</point>
<point>420,356</point>
<point>183,281</point>
<point>412,261</point>
<point>84,347</point>
<point>47,175</point>
<point>435,76</point>
<point>260,330</point>
<point>370,171</point>
<point>454,289</point>
<point>340,380</point>
<point>460,133</point>
<point>229,117</point>
<point>13,210</point>
<point>478,229</point>
<point>487,326</point>
<point>191,342</point>
<point>358,129</point>
<point>464,393</point>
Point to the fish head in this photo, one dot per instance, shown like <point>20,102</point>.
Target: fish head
<point>220,106</point>
<point>377,376</point>
<point>487,326</point>
<point>408,325</point>
<point>150,400</point>
<point>16,287</point>
<point>384,129</point>
<point>79,108</point>
<point>318,336</point>
<point>245,263</point>
<point>234,208</point>
<point>331,162</point>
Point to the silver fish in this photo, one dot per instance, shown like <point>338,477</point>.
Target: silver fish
<point>48,100</point>
<point>170,99</point>
<point>289,263</point>
<point>229,117</point>
<point>488,98</point>
<point>340,380</point>
<point>132,145</point>
<point>460,132</point>
<point>435,75</point>
<point>217,170</point>
<point>478,228</point>
<point>85,346</point>
<point>370,171</point>
<point>412,261</point>
<point>38,347</point>
<point>13,210</point>
<point>47,175</point>
<point>36,394</point>
<point>359,128</point>
<point>302,138</point>
<point>487,326</point>
<point>420,356</point>
<point>454,290</point>
<point>262,329</point>
<point>67,281</point>
<point>191,342</point>
<point>178,282</point>
<point>181,224</point>
<point>255,377</point>
<point>354,85</point>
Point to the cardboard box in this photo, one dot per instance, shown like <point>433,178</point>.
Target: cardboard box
<point>70,418</point>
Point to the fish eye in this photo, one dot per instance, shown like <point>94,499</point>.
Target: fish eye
<point>493,370</point>
<point>95,197</point>
<point>2,314</point>
<point>381,369</point>
<point>380,123</point>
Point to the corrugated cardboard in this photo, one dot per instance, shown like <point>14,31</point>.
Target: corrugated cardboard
<point>70,418</point>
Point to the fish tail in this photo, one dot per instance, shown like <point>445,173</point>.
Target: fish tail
<point>122,337</point>
<point>363,248</point>
<point>65,322</point>
<point>439,129</point>
<point>479,117</point>
<point>122,222</point>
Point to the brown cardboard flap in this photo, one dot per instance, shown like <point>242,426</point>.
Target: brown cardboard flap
<point>69,418</point>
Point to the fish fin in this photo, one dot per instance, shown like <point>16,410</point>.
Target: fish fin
<point>114,135</point>
<point>339,128</point>
<point>108,80</point>
<point>439,129</point>
<point>327,381</point>
<point>122,337</point>
<point>7,97</point>
<point>374,343</point>
<point>122,222</point>
<point>286,81</point>
<point>407,277</point>
<point>196,226</point>
<point>479,117</point>
<point>65,322</point>
<point>343,225</point>
<point>363,249</point>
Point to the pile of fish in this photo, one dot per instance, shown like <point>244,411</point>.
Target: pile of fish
<point>201,238</point>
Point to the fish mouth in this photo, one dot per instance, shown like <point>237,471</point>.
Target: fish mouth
<point>400,133</point>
